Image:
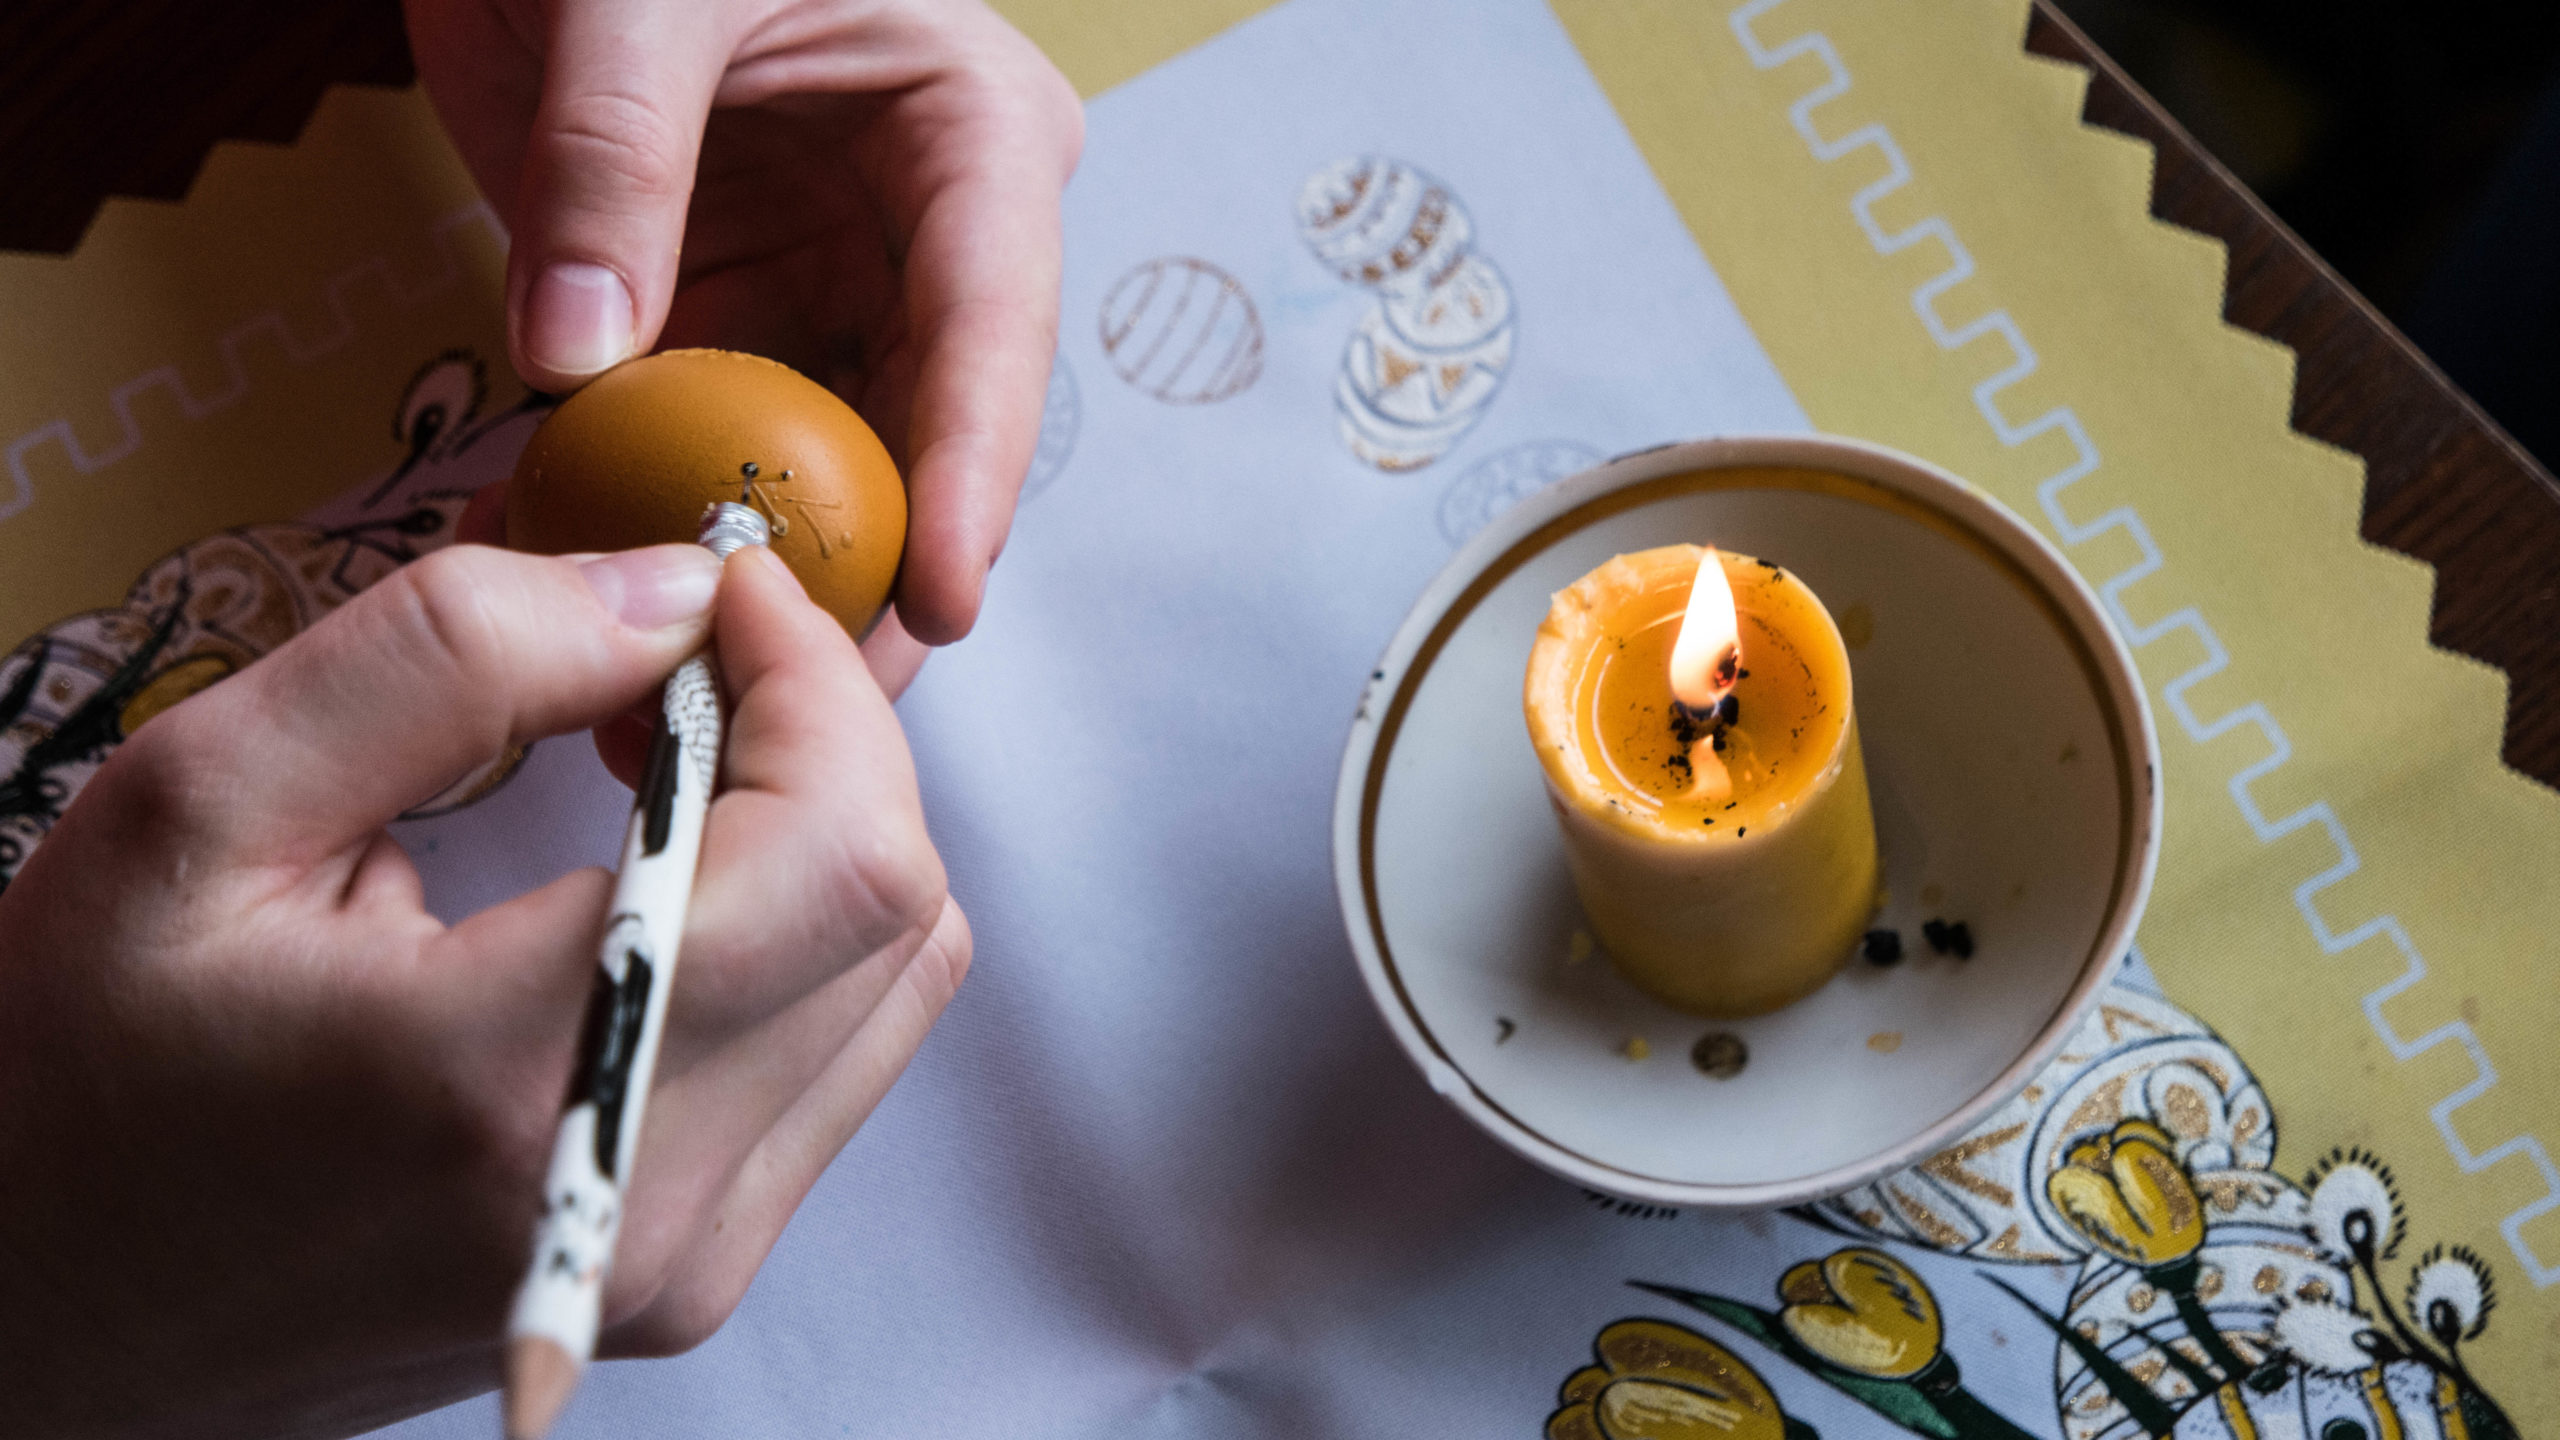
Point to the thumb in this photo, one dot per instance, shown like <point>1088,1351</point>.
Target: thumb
<point>439,666</point>
<point>608,172</point>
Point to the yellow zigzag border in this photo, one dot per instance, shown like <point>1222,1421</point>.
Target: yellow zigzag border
<point>448,234</point>
<point>2126,519</point>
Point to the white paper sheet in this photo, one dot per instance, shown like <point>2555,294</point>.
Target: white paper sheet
<point>1161,1171</point>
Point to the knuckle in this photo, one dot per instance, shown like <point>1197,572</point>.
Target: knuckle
<point>1063,110</point>
<point>944,962</point>
<point>154,783</point>
<point>444,610</point>
<point>886,881</point>
<point>683,1314</point>
<point>672,1286</point>
<point>1045,105</point>
<point>622,138</point>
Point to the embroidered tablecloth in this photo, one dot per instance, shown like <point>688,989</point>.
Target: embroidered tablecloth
<point>1161,1171</point>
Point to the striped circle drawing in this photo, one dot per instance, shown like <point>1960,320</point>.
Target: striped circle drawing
<point>1182,331</point>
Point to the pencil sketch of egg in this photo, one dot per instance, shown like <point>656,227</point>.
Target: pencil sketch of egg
<point>1420,369</point>
<point>1428,357</point>
<point>1383,223</point>
<point>1504,479</point>
<point>1061,414</point>
<point>1182,331</point>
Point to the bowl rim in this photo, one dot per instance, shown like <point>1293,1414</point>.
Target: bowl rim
<point>1393,681</point>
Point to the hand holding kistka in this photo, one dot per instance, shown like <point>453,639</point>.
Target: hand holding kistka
<point>274,1136</point>
<point>867,192</point>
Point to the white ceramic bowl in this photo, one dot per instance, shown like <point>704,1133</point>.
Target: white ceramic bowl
<point>2013,763</point>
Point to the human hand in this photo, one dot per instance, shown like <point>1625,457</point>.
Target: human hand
<point>876,205</point>
<point>272,1139</point>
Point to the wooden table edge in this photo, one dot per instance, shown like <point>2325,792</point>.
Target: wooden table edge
<point>2444,484</point>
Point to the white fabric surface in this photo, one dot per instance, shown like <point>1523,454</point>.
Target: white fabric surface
<point>1161,1171</point>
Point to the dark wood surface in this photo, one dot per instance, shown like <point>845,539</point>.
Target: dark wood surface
<point>124,97</point>
<point>2442,482</point>
<point>101,97</point>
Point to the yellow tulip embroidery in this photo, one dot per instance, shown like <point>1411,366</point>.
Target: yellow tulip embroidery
<point>1862,1310</point>
<point>2127,1195</point>
<point>1659,1381</point>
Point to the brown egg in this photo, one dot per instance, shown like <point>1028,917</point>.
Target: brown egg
<point>635,457</point>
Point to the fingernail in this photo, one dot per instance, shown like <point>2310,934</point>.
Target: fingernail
<point>654,588</point>
<point>577,319</point>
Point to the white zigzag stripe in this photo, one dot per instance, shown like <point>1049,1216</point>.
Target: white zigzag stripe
<point>2125,520</point>
<point>376,271</point>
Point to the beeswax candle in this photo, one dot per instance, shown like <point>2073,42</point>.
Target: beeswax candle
<point>1693,713</point>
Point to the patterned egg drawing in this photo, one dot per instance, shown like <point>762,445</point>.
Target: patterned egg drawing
<point>1182,331</point>
<point>2252,1263</point>
<point>1376,221</point>
<point>1419,370</point>
<point>2135,1057</point>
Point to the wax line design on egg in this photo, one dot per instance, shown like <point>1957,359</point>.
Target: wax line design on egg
<point>767,496</point>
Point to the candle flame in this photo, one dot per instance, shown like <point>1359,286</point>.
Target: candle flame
<point>1706,657</point>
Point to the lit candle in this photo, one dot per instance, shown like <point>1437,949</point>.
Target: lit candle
<point>1692,711</point>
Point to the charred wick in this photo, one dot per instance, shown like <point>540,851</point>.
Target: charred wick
<point>1689,726</point>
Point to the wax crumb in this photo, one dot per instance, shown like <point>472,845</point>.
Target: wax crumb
<point>1578,949</point>
<point>1946,939</point>
<point>1635,1048</point>
<point>1857,625</point>
<point>1741,830</point>
<point>1507,1028</point>
<point>1720,1054</point>
<point>1883,947</point>
<point>1885,1042</point>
